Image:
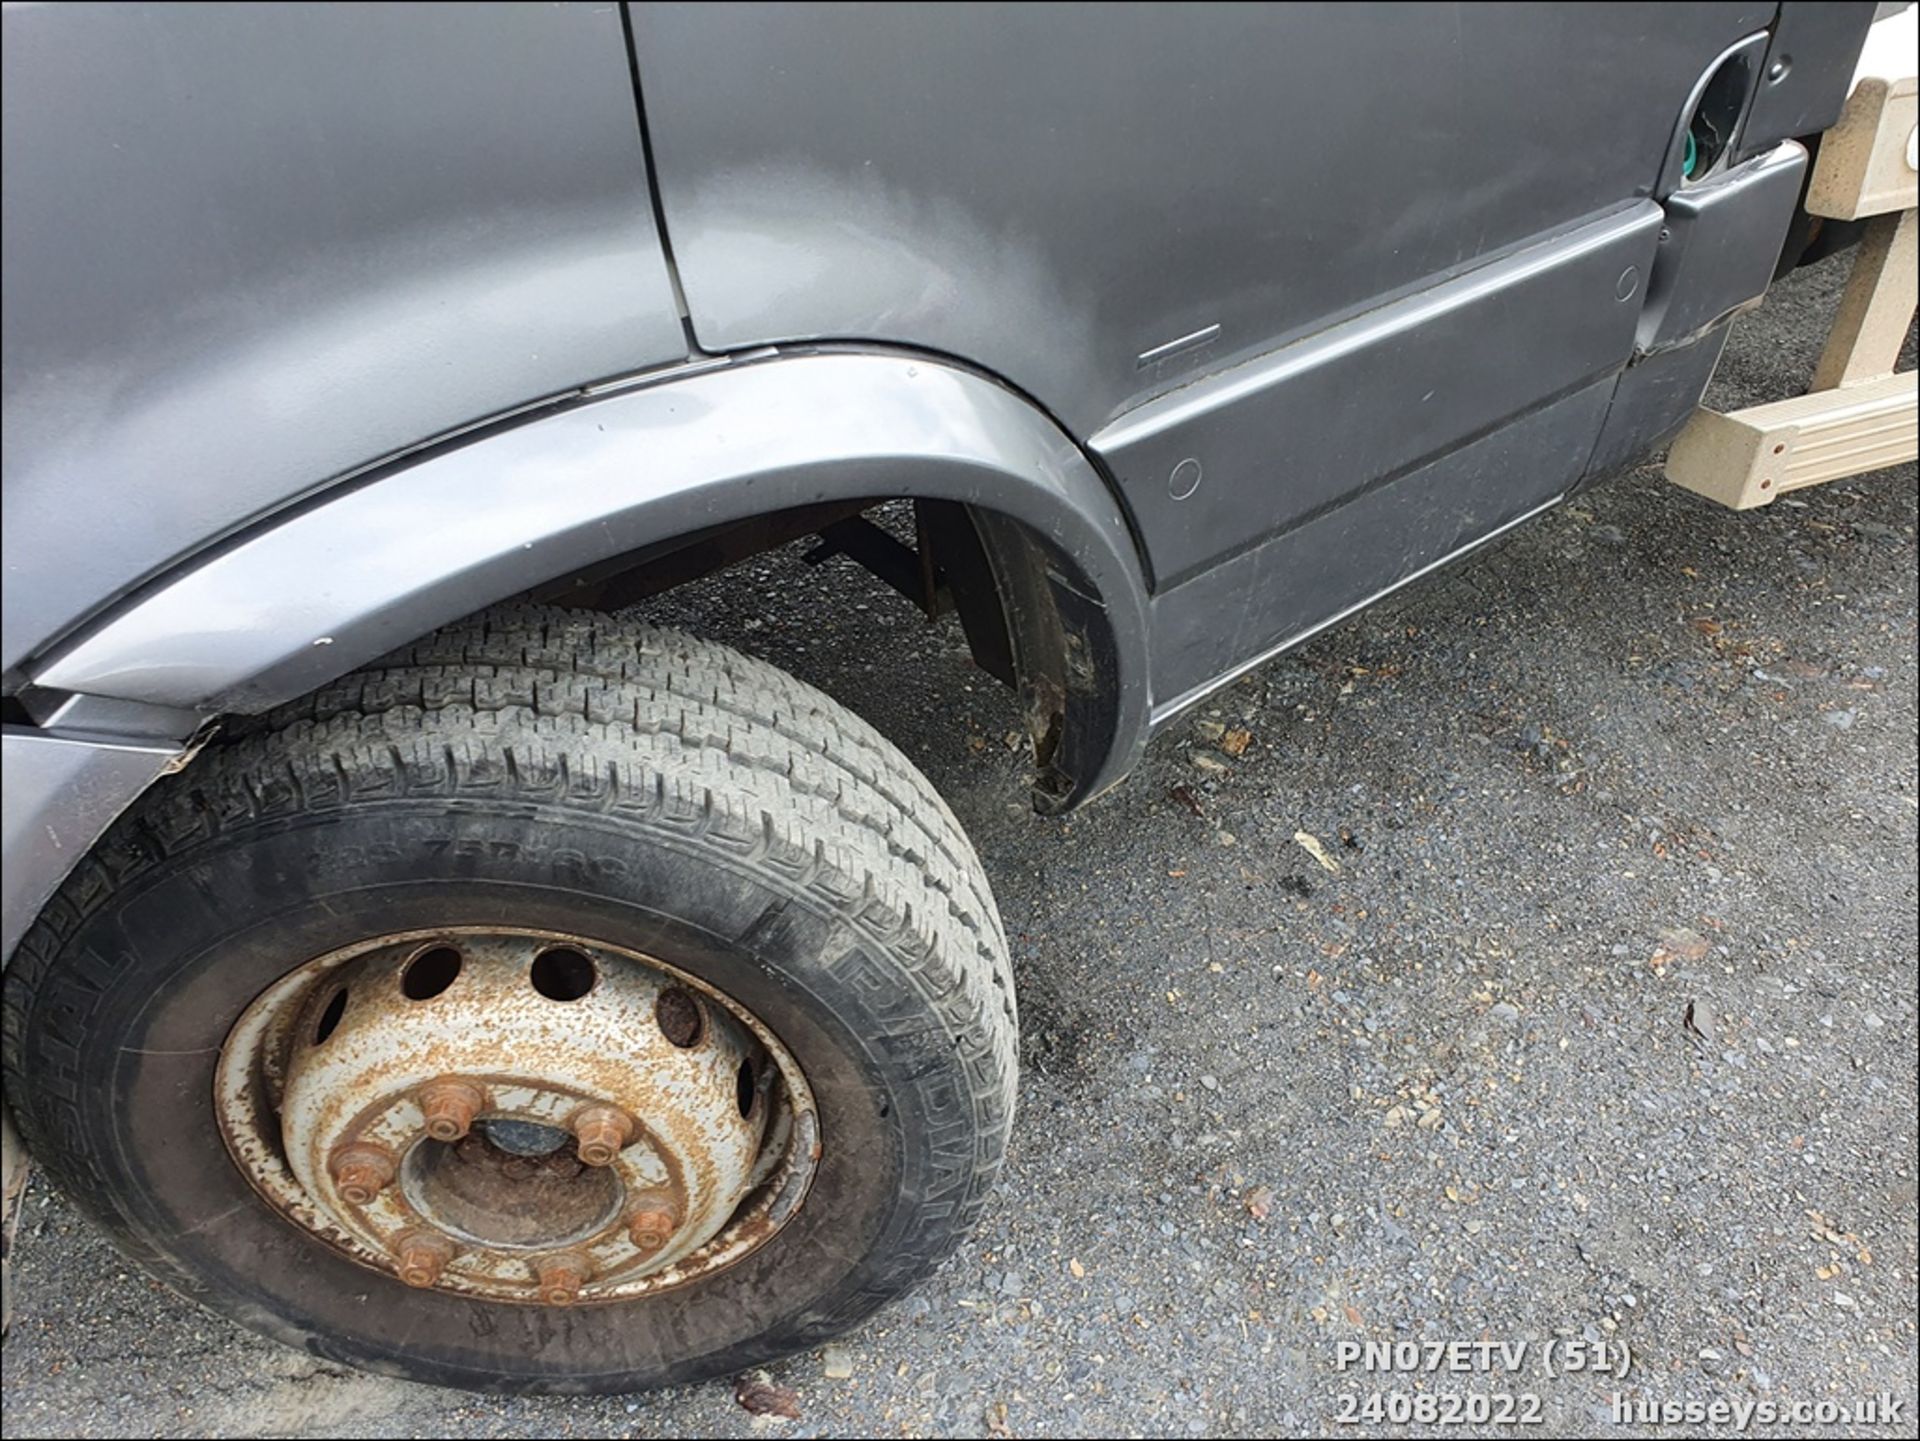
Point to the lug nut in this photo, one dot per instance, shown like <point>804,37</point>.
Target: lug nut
<point>653,1219</point>
<point>450,1107</point>
<point>361,1171</point>
<point>562,1276</point>
<point>601,1132</point>
<point>423,1256</point>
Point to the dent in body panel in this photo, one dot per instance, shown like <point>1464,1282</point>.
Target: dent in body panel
<point>1653,398</point>
<point>1720,245</point>
<point>905,260</point>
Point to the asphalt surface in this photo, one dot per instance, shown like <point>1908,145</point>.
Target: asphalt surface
<point>1604,1027</point>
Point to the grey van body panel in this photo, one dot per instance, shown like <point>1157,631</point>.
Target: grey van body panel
<point>1809,64</point>
<point>333,231</point>
<point>61,793</point>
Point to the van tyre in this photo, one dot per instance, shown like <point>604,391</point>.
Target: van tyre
<point>537,772</point>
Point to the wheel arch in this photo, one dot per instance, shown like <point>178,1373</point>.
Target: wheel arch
<point>307,596</point>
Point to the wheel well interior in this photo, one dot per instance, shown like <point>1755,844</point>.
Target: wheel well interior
<point>1000,581</point>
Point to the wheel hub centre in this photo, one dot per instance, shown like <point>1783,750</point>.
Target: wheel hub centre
<point>480,1194</point>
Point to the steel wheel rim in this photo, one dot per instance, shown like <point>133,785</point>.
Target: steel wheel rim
<point>517,1115</point>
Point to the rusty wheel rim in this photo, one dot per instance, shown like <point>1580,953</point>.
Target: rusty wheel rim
<point>517,1115</point>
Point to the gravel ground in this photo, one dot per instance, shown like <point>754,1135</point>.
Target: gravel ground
<point>1604,1027</point>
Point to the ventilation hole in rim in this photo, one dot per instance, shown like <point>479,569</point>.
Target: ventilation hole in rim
<point>562,974</point>
<point>330,1017</point>
<point>679,1019</point>
<point>744,1089</point>
<point>430,973</point>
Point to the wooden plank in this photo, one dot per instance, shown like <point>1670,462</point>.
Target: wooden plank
<point>1877,307</point>
<point>1748,457</point>
<point>1865,165</point>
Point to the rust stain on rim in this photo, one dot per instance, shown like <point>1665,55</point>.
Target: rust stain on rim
<point>575,1133</point>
